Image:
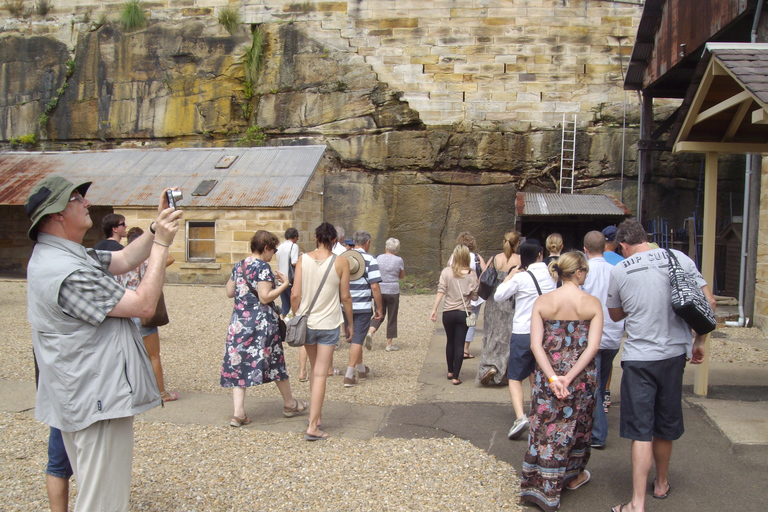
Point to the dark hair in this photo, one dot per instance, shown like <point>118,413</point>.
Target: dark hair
<point>134,233</point>
<point>594,242</point>
<point>263,240</point>
<point>325,234</point>
<point>291,233</point>
<point>529,252</point>
<point>110,221</point>
<point>631,232</point>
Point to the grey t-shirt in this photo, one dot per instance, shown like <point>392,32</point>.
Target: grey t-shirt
<point>640,286</point>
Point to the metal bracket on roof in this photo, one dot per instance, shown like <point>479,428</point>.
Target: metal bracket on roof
<point>226,161</point>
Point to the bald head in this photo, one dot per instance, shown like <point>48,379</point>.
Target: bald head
<point>594,244</point>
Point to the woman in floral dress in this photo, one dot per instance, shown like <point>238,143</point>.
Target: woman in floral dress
<point>254,352</point>
<point>566,327</point>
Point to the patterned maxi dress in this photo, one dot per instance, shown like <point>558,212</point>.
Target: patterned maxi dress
<point>497,331</point>
<point>254,353</point>
<point>561,430</point>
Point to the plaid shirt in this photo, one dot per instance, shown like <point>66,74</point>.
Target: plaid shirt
<point>90,295</point>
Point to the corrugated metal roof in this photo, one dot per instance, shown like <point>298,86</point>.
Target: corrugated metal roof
<point>266,177</point>
<point>543,204</point>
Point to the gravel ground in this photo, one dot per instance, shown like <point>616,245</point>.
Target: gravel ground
<point>247,469</point>
<point>169,475</point>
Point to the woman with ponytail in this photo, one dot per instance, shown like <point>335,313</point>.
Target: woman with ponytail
<point>566,327</point>
<point>497,318</point>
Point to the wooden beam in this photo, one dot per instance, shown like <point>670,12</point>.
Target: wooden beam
<point>701,381</point>
<point>731,102</point>
<point>721,147</point>
<point>760,116</point>
<point>698,100</point>
<point>736,120</point>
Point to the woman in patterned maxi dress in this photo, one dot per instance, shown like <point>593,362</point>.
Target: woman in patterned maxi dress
<point>254,352</point>
<point>566,327</point>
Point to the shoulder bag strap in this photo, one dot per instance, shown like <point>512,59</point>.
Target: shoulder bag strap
<point>327,271</point>
<point>462,296</point>
<point>538,288</point>
<point>247,282</point>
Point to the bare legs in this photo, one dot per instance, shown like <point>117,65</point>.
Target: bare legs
<point>516,394</point>
<point>320,359</point>
<point>238,396</point>
<point>152,344</point>
<point>58,493</point>
<point>302,363</point>
<point>644,454</point>
<point>355,355</point>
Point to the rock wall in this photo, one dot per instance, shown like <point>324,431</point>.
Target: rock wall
<point>434,112</point>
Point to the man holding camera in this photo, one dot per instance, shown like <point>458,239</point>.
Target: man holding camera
<point>95,374</point>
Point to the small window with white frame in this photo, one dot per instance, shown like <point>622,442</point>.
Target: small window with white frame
<point>201,241</point>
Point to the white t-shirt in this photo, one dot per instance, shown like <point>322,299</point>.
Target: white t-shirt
<point>640,286</point>
<point>284,251</point>
<point>338,249</point>
<point>522,287</point>
<point>596,284</point>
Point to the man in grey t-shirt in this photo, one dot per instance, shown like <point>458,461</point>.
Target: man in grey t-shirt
<point>655,352</point>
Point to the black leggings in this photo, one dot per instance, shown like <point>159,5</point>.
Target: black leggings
<point>455,324</point>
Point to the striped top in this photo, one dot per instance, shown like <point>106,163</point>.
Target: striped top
<point>361,288</point>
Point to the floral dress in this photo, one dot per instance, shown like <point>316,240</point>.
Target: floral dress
<point>254,353</point>
<point>560,430</point>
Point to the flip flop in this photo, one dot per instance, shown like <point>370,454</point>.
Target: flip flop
<point>660,496</point>
<point>619,508</point>
<point>456,382</point>
<point>587,478</point>
<point>322,437</point>
<point>467,355</point>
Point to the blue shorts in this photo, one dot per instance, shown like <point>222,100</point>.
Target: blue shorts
<point>521,361</point>
<point>361,322</point>
<point>145,331</point>
<point>322,336</point>
<point>58,461</point>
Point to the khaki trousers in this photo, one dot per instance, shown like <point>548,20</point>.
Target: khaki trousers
<point>101,456</point>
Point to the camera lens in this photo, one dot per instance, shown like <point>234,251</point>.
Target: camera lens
<point>177,195</point>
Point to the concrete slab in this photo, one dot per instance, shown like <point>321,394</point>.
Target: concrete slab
<point>17,396</point>
<point>741,422</point>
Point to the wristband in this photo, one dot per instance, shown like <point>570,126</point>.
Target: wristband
<point>161,243</point>
<point>553,379</point>
<point>151,229</point>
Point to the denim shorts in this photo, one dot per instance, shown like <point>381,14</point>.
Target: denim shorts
<point>145,331</point>
<point>58,461</point>
<point>322,336</point>
<point>360,323</point>
<point>521,361</point>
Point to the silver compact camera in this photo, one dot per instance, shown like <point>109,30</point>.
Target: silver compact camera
<point>173,197</point>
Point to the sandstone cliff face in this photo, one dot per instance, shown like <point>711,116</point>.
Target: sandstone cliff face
<point>180,83</point>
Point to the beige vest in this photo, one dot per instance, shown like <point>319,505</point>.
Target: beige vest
<point>326,313</point>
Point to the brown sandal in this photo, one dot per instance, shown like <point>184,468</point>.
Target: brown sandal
<point>299,406</point>
<point>238,422</point>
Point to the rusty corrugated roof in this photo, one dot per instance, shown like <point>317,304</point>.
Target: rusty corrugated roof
<point>265,177</point>
<point>544,204</point>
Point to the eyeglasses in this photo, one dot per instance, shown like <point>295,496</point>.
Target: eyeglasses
<point>77,197</point>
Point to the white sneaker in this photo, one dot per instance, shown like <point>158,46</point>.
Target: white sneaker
<point>391,348</point>
<point>518,427</point>
<point>367,343</point>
